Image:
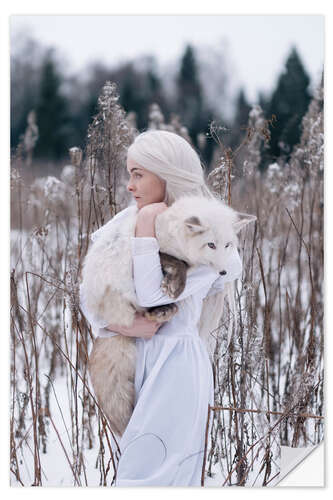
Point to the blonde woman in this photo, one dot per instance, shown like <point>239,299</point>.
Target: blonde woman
<point>163,444</point>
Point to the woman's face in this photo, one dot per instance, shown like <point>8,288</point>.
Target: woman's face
<point>145,186</point>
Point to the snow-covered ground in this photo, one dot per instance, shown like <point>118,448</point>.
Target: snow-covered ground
<point>66,436</point>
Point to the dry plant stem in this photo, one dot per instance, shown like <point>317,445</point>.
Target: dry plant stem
<point>266,412</point>
<point>77,480</point>
<point>245,475</point>
<point>36,414</point>
<point>230,165</point>
<point>227,153</point>
<point>245,410</point>
<point>276,360</point>
<point>78,374</point>
<point>238,427</point>
<point>61,413</point>
<point>266,337</point>
<point>37,471</point>
<point>90,394</point>
<point>267,461</point>
<point>13,455</point>
<point>105,423</point>
<point>205,450</point>
<point>299,233</point>
<point>255,444</point>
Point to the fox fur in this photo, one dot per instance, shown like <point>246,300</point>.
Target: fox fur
<point>183,232</point>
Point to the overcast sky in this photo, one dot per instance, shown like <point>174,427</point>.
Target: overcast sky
<point>257,45</point>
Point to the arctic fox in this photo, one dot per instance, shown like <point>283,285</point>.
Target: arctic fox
<point>191,232</point>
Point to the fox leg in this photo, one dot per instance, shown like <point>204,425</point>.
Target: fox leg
<point>173,284</point>
<point>161,313</point>
<point>174,271</point>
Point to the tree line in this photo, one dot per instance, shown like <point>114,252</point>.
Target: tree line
<point>64,106</point>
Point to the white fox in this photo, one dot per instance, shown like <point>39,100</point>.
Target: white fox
<point>191,232</point>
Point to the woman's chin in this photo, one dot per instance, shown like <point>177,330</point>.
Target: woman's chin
<point>141,202</point>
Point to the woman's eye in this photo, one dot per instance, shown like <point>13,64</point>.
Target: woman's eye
<point>212,245</point>
<point>138,175</point>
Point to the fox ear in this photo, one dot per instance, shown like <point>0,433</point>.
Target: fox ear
<point>243,220</point>
<point>194,225</point>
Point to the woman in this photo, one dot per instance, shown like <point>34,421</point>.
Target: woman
<point>163,444</point>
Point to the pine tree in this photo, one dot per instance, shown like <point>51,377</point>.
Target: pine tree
<point>289,103</point>
<point>193,111</point>
<point>26,56</point>
<point>52,112</point>
<point>139,88</point>
<point>189,89</point>
<point>240,121</point>
<point>131,93</point>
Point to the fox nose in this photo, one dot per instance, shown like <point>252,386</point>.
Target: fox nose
<point>223,273</point>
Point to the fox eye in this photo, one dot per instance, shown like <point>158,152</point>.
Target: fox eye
<point>212,245</point>
<point>227,245</point>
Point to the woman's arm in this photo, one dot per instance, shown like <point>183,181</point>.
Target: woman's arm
<point>145,227</point>
<point>145,222</point>
<point>141,327</point>
<point>147,270</point>
<point>148,275</point>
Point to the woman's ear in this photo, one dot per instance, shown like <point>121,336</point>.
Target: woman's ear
<point>243,220</point>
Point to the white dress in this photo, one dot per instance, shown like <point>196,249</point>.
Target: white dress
<point>163,444</point>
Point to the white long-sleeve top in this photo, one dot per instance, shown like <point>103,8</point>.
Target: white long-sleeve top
<point>147,273</point>
<point>201,282</point>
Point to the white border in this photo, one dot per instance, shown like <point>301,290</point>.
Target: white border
<point>15,7</point>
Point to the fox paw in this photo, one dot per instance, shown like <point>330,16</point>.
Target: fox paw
<point>172,286</point>
<point>161,313</point>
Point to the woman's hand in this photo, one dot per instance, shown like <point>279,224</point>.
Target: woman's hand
<point>145,222</point>
<point>153,209</point>
<point>141,327</point>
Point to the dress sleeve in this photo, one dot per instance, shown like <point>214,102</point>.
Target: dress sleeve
<point>148,275</point>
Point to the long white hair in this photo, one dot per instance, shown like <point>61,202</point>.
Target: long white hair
<point>174,160</point>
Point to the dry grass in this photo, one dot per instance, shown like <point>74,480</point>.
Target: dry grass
<point>274,363</point>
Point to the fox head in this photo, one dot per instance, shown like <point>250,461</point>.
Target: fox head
<point>202,231</point>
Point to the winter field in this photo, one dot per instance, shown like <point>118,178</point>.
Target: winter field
<point>269,384</point>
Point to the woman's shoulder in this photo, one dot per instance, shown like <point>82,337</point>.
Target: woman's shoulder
<point>120,215</point>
